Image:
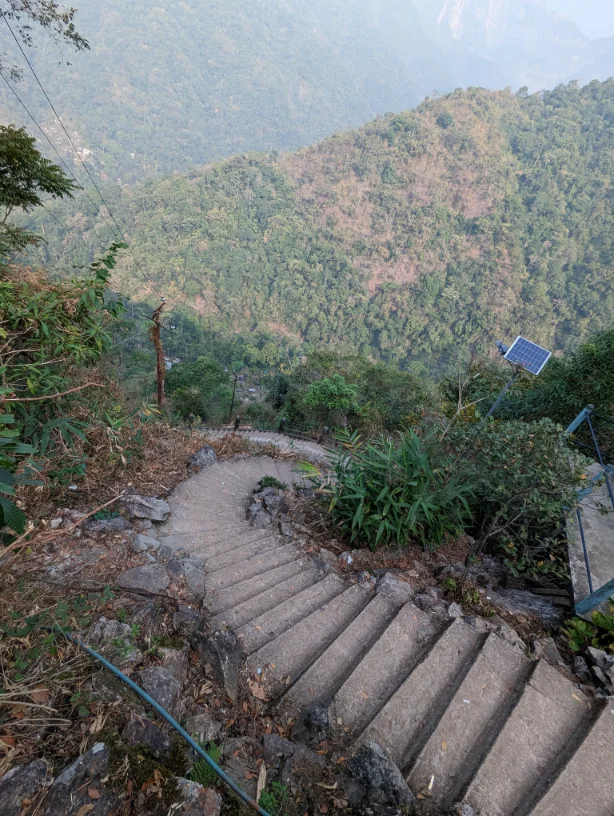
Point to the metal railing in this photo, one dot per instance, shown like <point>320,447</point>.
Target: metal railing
<point>589,417</point>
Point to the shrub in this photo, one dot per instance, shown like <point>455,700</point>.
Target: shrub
<point>599,634</point>
<point>202,772</point>
<point>270,481</point>
<point>14,464</point>
<point>200,389</point>
<point>274,799</point>
<point>392,493</point>
<point>333,398</point>
<point>523,475</point>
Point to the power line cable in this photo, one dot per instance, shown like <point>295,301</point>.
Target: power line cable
<point>78,155</point>
<point>132,336</point>
<point>119,229</point>
<point>57,115</point>
<point>64,227</point>
<point>56,151</point>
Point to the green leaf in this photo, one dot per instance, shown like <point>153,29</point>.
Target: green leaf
<point>12,516</point>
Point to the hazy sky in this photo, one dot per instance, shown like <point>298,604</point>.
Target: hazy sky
<point>594,17</point>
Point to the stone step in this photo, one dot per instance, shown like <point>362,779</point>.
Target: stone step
<point>284,659</point>
<point>410,715</point>
<point>221,600</point>
<point>584,786</point>
<point>546,717</point>
<point>383,668</point>
<point>258,632</point>
<point>202,521</point>
<point>225,540</point>
<point>322,679</point>
<point>237,555</point>
<point>210,543</point>
<point>472,720</point>
<point>254,607</point>
<point>237,573</point>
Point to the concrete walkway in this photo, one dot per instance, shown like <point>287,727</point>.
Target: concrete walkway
<point>304,447</point>
<point>597,516</point>
<point>467,716</point>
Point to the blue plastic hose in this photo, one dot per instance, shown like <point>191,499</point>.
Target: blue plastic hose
<point>171,720</point>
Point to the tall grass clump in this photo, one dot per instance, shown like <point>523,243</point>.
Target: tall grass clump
<point>387,492</point>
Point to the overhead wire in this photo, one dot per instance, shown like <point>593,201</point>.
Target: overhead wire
<point>57,152</point>
<point>67,134</point>
<point>76,151</point>
<point>64,227</point>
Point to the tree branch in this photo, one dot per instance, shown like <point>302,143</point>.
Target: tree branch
<point>54,396</point>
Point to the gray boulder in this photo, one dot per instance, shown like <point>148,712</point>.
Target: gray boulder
<point>145,507</point>
<point>141,543</point>
<point>197,800</point>
<point>394,588</point>
<point>520,602</point>
<point>175,568</point>
<point>194,578</point>
<point>455,611</point>
<point>375,779</point>
<point>165,552</point>
<point>21,782</point>
<point>203,458</point>
<point>290,760</point>
<point>546,649</point>
<point>258,516</point>
<point>600,658</point>
<point>118,524</point>
<point>141,731</point>
<point>176,661</point>
<point>163,686</point>
<point>186,619</point>
<point>70,791</point>
<point>313,726</point>
<point>203,727</point>
<point>273,500</point>
<point>150,578</point>
<point>222,652</point>
<point>104,630</point>
<point>581,669</point>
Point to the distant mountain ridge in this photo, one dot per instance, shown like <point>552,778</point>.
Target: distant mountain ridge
<point>186,82</point>
<point>417,238</point>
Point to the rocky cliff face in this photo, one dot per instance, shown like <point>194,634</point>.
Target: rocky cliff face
<point>513,42</point>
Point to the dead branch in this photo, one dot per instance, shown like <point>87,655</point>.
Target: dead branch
<point>54,396</point>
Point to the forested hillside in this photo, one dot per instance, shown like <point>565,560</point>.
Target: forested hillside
<point>418,237</point>
<point>169,85</point>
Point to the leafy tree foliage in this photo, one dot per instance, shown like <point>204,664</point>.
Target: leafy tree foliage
<point>24,175</point>
<point>333,397</point>
<point>50,16</point>
<point>522,475</point>
<point>332,389</point>
<point>48,332</point>
<point>405,241</point>
<point>199,389</point>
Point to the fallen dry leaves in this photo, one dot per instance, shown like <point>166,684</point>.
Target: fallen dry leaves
<point>258,690</point>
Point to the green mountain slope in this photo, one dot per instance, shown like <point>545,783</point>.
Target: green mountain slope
<point>169,85</point>
<point>416,238</point>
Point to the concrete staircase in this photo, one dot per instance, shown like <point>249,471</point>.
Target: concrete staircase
<point>466,716</point>
<point>287,444</point>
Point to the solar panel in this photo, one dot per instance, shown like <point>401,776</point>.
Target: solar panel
<point>529,355</point>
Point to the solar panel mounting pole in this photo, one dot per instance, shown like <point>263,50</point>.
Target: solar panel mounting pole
<point>503,392</point>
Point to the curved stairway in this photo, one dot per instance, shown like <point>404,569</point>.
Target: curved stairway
<point>287,444</point>
<point>467,716</point>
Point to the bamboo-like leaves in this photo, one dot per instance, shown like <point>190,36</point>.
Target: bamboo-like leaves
<point>386,492</point>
